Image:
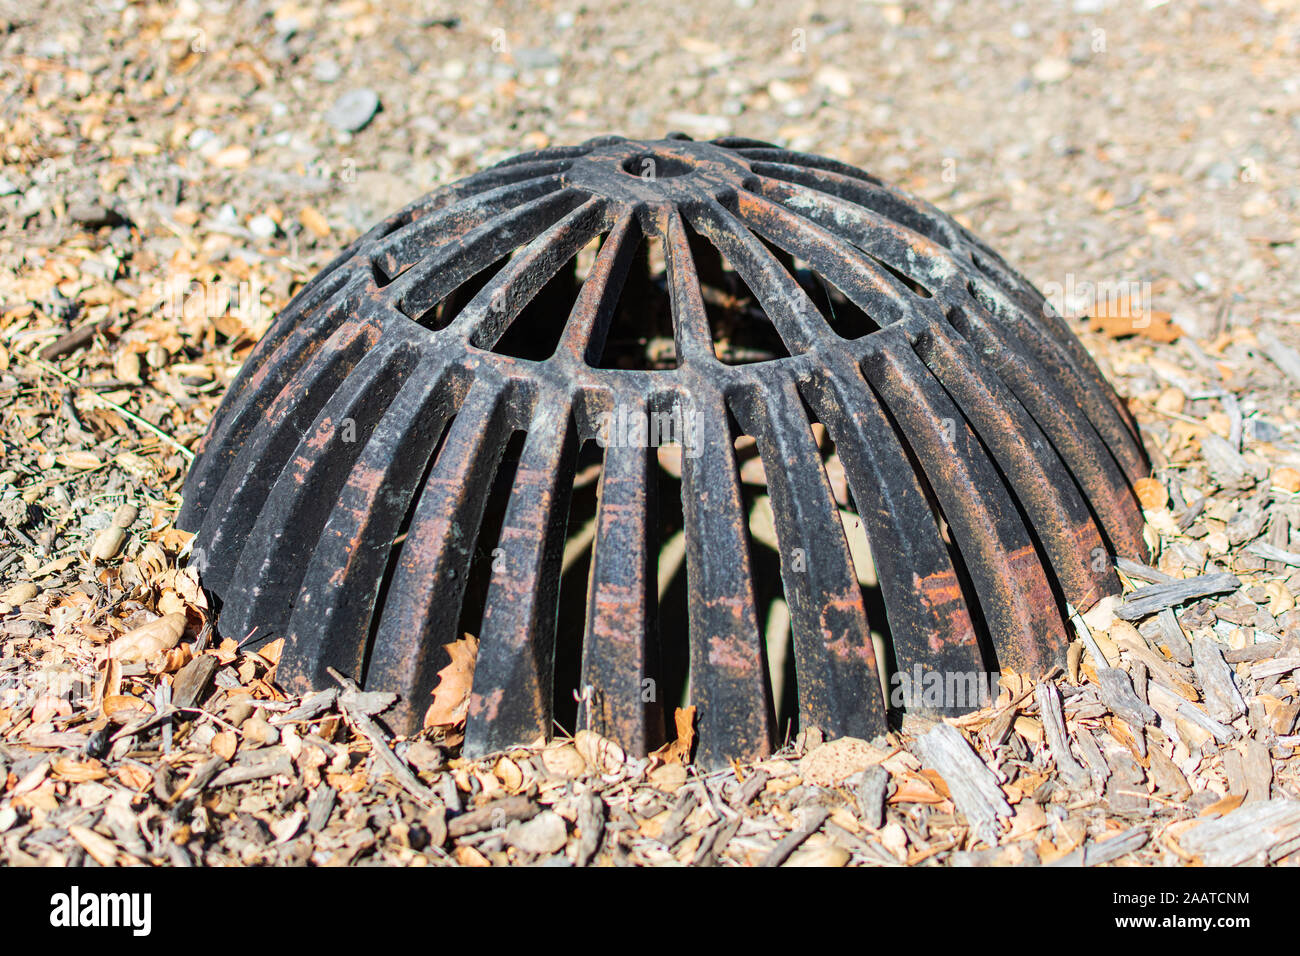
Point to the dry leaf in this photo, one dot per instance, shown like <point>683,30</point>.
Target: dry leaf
<point>314,221</point>
<point>1151,492</point>
<point>914,788</point>
<point>78,771</point>
<point>1225,806</point>
<point>508,772</point>
<point>150,640</point>
<point>679,750</point>
<point>1123,318</point>
<point>122,708</point>
<point>451,695</point>
<point>600,753</point>
<point>225,744</point>
<point>134,776</point>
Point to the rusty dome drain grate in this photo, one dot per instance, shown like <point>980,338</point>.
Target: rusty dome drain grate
<point>465,423</point>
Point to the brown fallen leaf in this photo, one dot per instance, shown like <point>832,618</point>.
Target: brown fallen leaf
<point>451,695</point>
<point>134,776</point>
<point>1151,492</point>
<point>224,744</point>
<point>679,750</point>
<point>915,789</point>
<point>122,708</point>
<point>78,771</point>
<point>311,217</point>
<point>150,640</point>
<point>1123,317</point>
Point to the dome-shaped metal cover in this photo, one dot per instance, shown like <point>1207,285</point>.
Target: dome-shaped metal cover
<point>472,346</point>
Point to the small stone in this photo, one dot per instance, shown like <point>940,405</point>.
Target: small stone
<point>426,757</point>
<point>544,834</point>
<point>263,227</point>
<point>668,777</point>
<point>238,712</point>
<point>1260,429</point>
<point>92,215</point>
<point>259,733</point>
<point>126,366</point>
<point>536,58</point>
<point>828,854</point>
<point>564,761</point>
<point>19,593</point>
<point>1171,401</point>
<point>1051,69</point>
<point>354,110</point>
<point>125,515</point>
<point>1287,479</point>
<point>326,70</point>
<point>108,543</point>
<point>834,81</point>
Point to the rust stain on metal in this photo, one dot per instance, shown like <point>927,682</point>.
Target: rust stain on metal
<point>990,463</point>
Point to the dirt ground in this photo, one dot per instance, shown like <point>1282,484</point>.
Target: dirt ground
<point>171,173</point>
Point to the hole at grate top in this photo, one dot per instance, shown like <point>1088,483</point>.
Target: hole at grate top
<point>656,166</point>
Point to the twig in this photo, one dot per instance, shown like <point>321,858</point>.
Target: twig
<point>379,744</point>
<point>126,412</point>
<point>813,822</point>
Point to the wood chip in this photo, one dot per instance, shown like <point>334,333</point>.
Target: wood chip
<point>1257,832</point>
<point>1222,697</point>
<point>1157,597</point>
<point>973,786</point>
<point>871,796</point>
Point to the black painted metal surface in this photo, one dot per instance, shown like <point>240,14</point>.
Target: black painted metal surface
<point>340,493</point>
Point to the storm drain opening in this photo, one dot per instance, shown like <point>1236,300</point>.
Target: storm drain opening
<point>886,474</point>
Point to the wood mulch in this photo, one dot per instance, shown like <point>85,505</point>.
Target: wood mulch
<point>170,189</point>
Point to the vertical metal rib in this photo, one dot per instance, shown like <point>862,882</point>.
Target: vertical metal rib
<point>584,334</point>
<point>890,241</point>
<point>620,669</point>
<point>870,287</point>
<point>1090,394</point>
<point>691,332</point>
<point>486,317</point>
<point>427,282</point>
<point>290,520</point>
<point>422,607</point>
<point>797,320</point>
<point>1019,606</point>
<point>1042,485</point>
<point>449,224</point>
<point>868,194</point>
<point>839,688</point>
<point>513,679</point>
<point>238,500</point>
<point>332,615</point>
<point>1071,433</point>
<point>259,381</point>
<point>729,685</point>
<point>930,625</point>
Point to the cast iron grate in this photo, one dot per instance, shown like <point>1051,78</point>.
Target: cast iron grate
<point>463,423</point>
